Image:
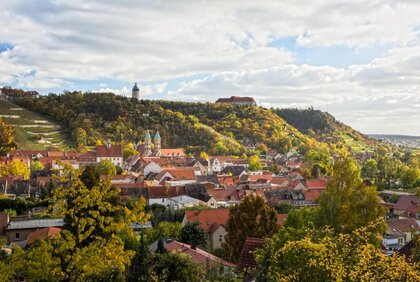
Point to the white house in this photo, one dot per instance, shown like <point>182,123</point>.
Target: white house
<point>110,152</point>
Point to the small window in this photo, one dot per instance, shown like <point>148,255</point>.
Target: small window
<point>17,236</point>
<point>163,200</point>
<point>220,238</point>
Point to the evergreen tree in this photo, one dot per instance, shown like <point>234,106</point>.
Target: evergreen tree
<point>194,235</point>
<point>251,218</point>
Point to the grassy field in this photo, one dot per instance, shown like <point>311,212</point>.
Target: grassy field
<point>28,126</point>
<point>356,146</point>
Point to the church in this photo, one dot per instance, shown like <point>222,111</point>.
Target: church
<point>145,149</point>
<point>153,148</point>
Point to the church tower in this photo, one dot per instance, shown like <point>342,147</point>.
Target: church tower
<point>157,142</point>
<point>135,93</point>
<point>147,145</point>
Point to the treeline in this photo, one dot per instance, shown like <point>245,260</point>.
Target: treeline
<point>309,119</point>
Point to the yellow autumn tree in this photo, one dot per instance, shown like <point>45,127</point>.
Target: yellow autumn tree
<point>15,168</point>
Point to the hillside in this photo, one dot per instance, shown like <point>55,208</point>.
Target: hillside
<point>325,128</point>
<point>29,126</point>
<point>255,124</point>
<point>214,128</point>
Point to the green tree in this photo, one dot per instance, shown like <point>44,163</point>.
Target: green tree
<point>370,169</point>
<point>7,142</point>
<point>194,235</point>
<point>129,151</point>
<point>254,163</point>
<point>251,218</point>
<point>89,246</point>
<point>106,167</point>
<point>176,266</point>
<point>410,177</point>
<point>348,203</point>
<point>37,165</point>
<point>309,254</point>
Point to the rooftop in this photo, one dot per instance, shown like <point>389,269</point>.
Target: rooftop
<point>36,223</point>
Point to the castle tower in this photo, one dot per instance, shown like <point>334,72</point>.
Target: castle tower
<point>135,93</point>
<point>157,142</point>
<point>147,145</point>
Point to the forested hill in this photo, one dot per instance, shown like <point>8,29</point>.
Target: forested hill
<point>214,128</point>
<point>325,128</point>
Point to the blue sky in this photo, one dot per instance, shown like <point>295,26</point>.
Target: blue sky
<point>357,60</point>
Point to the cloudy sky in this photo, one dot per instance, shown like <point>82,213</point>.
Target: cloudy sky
<point>359,60</point>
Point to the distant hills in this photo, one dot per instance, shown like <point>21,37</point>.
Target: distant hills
<point>399,140</point>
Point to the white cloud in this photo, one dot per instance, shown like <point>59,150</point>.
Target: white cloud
<point>57,42</point>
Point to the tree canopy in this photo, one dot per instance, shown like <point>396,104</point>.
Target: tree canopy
<point>251,218</point>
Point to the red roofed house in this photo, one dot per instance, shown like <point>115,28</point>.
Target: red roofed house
<point>198,255</point>
<point>316,183</point>
<point>176,152</point>
<point>400,231</point>
<point>237,100</point>
<point>176,176</point>
<point>109,152</point>
<point>42,234</point>
<point>408,206</point>
<point>213,221</point>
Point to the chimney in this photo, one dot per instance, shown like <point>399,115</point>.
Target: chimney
<point>193,245</point>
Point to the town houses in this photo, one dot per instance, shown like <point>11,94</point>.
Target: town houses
<point>202,186</point>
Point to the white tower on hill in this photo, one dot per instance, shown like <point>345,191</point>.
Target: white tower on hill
<point>135,93</point>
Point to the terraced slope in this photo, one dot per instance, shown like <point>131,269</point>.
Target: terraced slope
<point>30,126</point>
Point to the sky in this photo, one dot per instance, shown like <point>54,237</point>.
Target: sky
<point>359,60</point>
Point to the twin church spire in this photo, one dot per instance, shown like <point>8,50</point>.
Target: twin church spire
<point>157,142</point>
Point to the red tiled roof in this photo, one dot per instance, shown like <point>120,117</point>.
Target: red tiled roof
<point>255,178</point>
<point>87,155</point>
<point>316,183</point>
<point>173,152</point>
<point>226,180</point>
<point>165,192</point>
<point>247,259</point>
<point>182,173</point>
<point>55,154</point>
<point>209,219</point>
<point>407,203</point>
<point>220,194</point>
<point>403,225</point>
<point>114,151</point>
<point>279,181</point>
<point>198,255</point>
<point>312,195</point>
<point>42,234</point>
